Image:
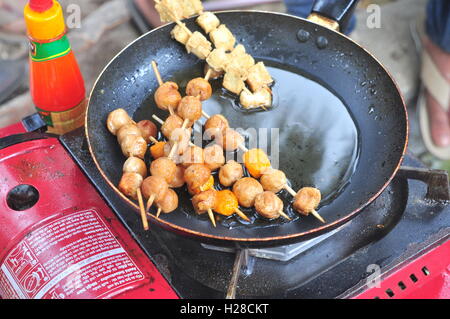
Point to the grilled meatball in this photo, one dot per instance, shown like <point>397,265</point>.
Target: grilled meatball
<point>129,184</point>
<point>157,150</point>
<point>181,137</point>
<point>192,155</point>
<point>135,165</point>
<point>307,200</point>
<point>170,124</point>
<point>230,140</point>
<point>127,129</point>
<point>163,167</point>
<point>215,126</point>
<point>246,190</point>
<point>154,185</point>
<point>273,180</point>
<point>214,157</point>
<point>197,175</point>
<point>190,108</point>
<point>148,129</point>
<point>230,173</point>
<point>178,178</point>
<point>117,119</point>
<point>167,96</point>
<point>169,202</point>
<point>268,205</point>
<point>204,201</point>
<point>200,88</point>
<point>133,145</point>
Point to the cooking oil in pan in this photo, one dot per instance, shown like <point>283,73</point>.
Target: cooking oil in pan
<point>308,133</point>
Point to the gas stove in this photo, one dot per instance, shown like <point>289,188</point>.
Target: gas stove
<point>399,247</point>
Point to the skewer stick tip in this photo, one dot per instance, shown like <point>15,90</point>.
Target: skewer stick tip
<point>241,214</point>
<point>282,214</point>
<point>158,212</point>
<point>141,207</point>
<point>211,217</point>
<point>316,214</point>
<point>150,201</point>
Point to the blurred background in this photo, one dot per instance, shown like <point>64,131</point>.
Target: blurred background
<point>108,25</point>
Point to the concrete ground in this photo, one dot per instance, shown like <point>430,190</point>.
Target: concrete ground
<point>106,28</point>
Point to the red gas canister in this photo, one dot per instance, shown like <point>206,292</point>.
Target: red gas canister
<point>58,238</point>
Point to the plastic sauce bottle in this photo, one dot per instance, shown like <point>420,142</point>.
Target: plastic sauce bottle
<point>56,83</point>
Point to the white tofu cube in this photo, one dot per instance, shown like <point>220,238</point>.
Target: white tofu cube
<point>208,21</point>
<point>261,98</point>
<point>218,60</point>
<point>174,6</point>
<point>179,34</point>
<point>233,82</point>
<point>191,7</point>
<point>223,38</point>
<point>258,77</point>
<point>199,45</point>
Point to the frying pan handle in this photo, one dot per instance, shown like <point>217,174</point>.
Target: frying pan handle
<point>333,14</point>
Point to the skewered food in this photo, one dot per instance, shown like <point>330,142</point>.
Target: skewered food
<point>213,74</point>
<point>133,145</point>
<point>169,10</point>
<point>130,183</point>
<point>260,98</point>
<point>239,61</point>
<point>222,38</point>
<point>163,167</point>
<point>230,173</point>
<point>190,108</point>
<point>178,178</point>
<point>230,140</point>
<point>204,201</point>
<point>197,175</point>
<point>256,162</point>
<point>126,130</point>
<point>168,203</point>
<point>199,87</point>
<point>182,138</point>
<point>153,188</point>
<point>218,60</point>
<point>208,21</point>
<point>148,129</point>
<point>191,7</point>
<point>216,126</point>
<point>227,204</point>
<point>273,180</point>
<point>233,82</point>
<point>268,205</point>
<point>167,96</point>
<point>135,165</point>
<point>213,156</point>
<point>246,189</point>
<point>192,155</point>
<point>172,122</point>
<point>199,45</point>
<point>116,119</point>
<point>208,185</point>
<point>180,34</point>
<point>307,200</point>
<point>157,150</point>
<point>258,77</point>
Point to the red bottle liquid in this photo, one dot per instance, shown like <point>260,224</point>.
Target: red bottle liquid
<point>56,83</point>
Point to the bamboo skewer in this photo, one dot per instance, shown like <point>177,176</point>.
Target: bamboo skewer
<point>211,217</point>
<point>241,214</point>
<point>141,207</point>
<point>160,81</point>
<point>150,201</point>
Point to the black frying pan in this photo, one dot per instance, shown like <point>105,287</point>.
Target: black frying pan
<point>342,121</point>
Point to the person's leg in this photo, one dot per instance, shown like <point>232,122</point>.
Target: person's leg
<point>302,8</point>
<point>437,44</point>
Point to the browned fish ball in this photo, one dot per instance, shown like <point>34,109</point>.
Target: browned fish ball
<point>129,184</point>
<point>133,145</point>
<point>135,165</point>
<point>190,108</point>
<point>273,180</point>
<point>306,200</point>
<point>204,201</point>
<point>192,155</point>
<point>178,178</point>
<point>246,189</point>
<point>171,123</point>
<point>214,157</point>
<point>154,185</point>
<point>116,119</point>
<point>182,138</point>
<point>127,129</point>
<point>148,129</point>
<point>230,140</point>
<point>196,175</point>
<point>163,167</point>
<point>169,202</point>
<point>216,125</point>
<point>167,96</point>
<point>231,172</point>
<point>200,88</point>
<point>268,205</point>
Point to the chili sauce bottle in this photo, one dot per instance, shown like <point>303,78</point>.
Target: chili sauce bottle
<point>56,84</point>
